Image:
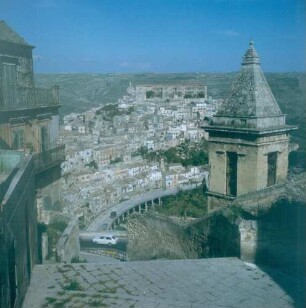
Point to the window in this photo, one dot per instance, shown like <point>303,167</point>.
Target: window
<point>44,138</point>
<point>231,173</point>
<point>272,160</point>
<point>17,139</point>
<point>9,84</point>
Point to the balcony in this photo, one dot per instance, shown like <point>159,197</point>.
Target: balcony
<point>49,158</point>
<point>14,98</point>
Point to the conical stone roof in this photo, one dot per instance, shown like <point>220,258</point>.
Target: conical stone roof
<point>9,35</point>
<point>251,97</point>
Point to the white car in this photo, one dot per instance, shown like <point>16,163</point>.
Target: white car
<point>108,239</point>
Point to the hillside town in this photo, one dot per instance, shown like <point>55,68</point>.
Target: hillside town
<point>104,165</point>
<point>193,189</point>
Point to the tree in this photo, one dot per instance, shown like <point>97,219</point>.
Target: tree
<point>149,94</point>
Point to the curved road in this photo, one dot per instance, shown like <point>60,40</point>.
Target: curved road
<point>87,243</point>
<point>104,219</point>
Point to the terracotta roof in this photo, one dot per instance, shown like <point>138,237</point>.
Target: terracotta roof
<point>250,94</point>
<point>9,35</point>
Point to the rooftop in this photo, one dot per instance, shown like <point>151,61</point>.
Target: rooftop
<point>250,94</point>
<point>9,35</point>
<point>222,282</point>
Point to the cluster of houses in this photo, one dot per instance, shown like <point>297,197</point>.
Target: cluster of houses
<point>103,166</point>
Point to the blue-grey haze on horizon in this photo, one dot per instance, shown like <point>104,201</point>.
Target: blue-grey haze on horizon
<point>125,36</point>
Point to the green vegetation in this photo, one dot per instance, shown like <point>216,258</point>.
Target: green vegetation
<point>116,160</point>
<point>120,228</point>
<point>60,304</point>
<point>109,111</point>
<point>149,94</point>
<point>50,300</point>
<point>143,151</point>
<point>297,160</point>
<point>191,203</point>
<point>289,90</point>
<point>199,95</point>
<point>73,286</point>
<point>97,303</point>
<point>187,154</point>
<point>92,164</point>
<point>78,260</point>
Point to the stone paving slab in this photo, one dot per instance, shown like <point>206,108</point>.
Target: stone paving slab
<point>220,282</point>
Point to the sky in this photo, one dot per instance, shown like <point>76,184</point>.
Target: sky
<point>134,36</point>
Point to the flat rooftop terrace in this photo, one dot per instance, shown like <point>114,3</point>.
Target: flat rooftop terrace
<point>220,282</point>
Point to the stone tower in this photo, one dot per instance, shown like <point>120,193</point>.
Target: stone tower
<point>248,142</point>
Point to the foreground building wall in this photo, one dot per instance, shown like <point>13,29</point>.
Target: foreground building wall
<point>29,127</point>
<point>18,229</point>
<point>29,116</point>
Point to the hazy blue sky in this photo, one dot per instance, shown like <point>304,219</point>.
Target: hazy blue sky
<point>159,35</point>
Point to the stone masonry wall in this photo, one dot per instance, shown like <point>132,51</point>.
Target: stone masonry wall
<point>274,237</point>
<point>153,236</point>
<point>277,144</point>
<point>252,168</point>
<point>68,246</point>
<point>248,239</point>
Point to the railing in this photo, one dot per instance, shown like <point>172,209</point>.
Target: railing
<point>49,158</point>
<point>14,98</point>
<point>46,96</point>
<point>108,252</point>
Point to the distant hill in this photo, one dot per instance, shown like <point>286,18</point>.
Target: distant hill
<point>79,92</point>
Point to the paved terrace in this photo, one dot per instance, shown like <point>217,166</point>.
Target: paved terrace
<point>222,282</point>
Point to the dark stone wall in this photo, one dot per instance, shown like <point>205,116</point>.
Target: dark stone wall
<point>216,235</point>
<point>21,56</point>
<point>16,50</point>
<point>47,177</point>
<point>276,237</point>
<point>18,237</point>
